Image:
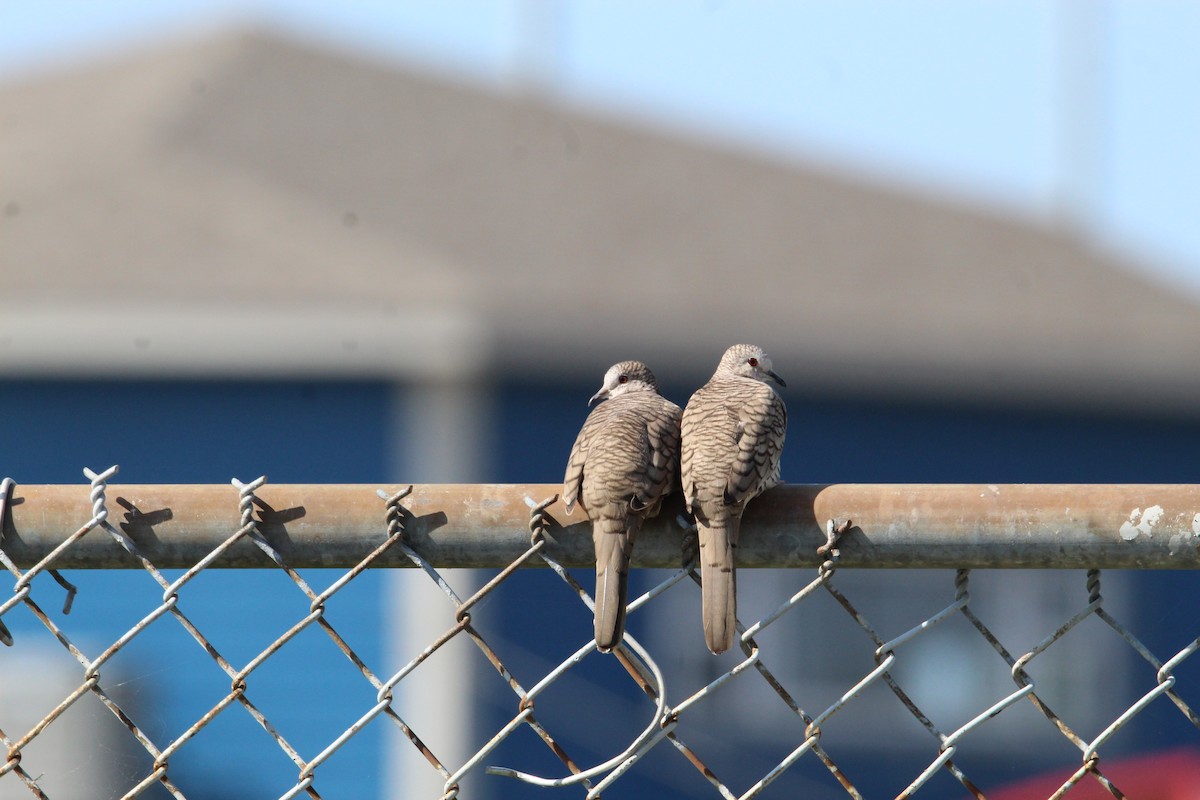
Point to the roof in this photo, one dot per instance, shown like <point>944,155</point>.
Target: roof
<point>245,204</point>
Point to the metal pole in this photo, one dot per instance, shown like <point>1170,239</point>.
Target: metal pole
<point>485,525</point>
<point>441,431</point>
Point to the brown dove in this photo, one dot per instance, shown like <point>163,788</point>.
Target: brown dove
<point>732,436</point>
<point>625,459</point>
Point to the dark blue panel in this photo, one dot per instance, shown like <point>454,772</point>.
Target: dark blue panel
<point>843,440</point>
<point>833,440</point>
<point>195,432</point>
<point>337,432</point>
<point>208,432</point>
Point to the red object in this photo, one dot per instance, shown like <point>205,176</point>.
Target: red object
<point>1164,775</point>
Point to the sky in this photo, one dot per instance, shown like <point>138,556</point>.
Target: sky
<point>1074,112</point>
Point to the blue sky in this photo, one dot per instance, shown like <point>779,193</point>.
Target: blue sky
<point>1077,111</point>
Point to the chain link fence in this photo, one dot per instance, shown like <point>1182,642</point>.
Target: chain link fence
<point>673,711</point>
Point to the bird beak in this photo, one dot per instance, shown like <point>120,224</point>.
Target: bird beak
<point>600,395</point>
<point>777,379</point>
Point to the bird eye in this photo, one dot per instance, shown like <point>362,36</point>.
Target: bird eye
<point>623,379</point>
<point>753,362</point>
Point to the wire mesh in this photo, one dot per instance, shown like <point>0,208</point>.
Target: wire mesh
<point>669,707</point>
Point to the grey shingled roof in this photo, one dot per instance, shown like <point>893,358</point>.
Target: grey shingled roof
<point>377,220</point>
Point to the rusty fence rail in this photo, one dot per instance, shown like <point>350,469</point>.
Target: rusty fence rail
<point>163,530</point>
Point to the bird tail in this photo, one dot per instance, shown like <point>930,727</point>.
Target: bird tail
<point>613,538</point>
<point>718,582</point>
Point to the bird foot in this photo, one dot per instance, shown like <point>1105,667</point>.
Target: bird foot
<point>833,535</point>
<point>691,541</point>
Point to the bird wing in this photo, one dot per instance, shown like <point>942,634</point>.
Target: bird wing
<point>761,425</point>
<point>573,481</point>
<point>662,436</point>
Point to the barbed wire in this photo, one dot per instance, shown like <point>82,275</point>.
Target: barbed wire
<point>668,706</point>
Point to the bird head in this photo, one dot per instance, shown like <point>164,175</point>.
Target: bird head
<point>749,361</point>
<point>627,376</point>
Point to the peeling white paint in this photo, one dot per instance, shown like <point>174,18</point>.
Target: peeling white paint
<point>1129,530</point>
<point>1141,523</point>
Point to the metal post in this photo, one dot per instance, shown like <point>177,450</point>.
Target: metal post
<point>442,428</point>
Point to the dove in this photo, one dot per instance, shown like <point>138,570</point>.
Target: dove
<point>731,439</point>
<point>624,461</point>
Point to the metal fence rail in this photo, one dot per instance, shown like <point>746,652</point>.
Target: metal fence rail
<point>508,527</point>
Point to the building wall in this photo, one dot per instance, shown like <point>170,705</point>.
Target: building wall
<point>1088,676</point>
<point>205,432</point>
<point>337,433</point>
